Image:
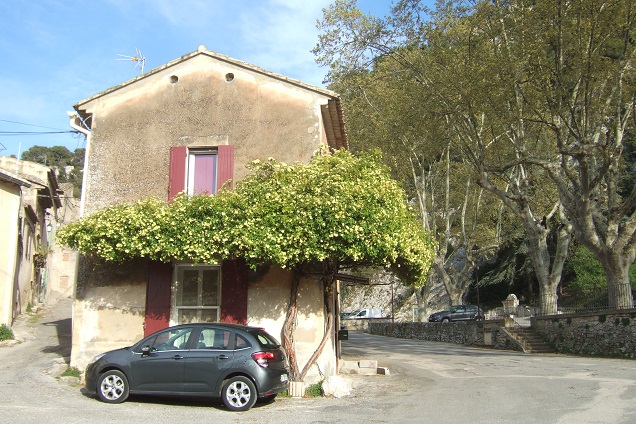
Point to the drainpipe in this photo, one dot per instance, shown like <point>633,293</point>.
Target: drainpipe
<point>74,119</point>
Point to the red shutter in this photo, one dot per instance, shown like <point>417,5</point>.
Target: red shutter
<point>225,165</point>
<point>234,292</point>
<point>178,157</point>
<point>158,295</point>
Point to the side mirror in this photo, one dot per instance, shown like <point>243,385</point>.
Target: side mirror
<point>145,351</point>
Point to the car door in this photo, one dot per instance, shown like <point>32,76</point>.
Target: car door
<point>160,367</point>
<point>459,313</point>
<point>208,360</point>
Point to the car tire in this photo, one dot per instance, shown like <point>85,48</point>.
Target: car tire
<point>446,320</point>
<point>112,387</point>
<point>239,393</point>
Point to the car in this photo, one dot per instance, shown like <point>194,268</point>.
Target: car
<point>237,363</point>
<point>458,313</point>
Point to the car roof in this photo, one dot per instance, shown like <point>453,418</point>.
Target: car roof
<point>216,324</point>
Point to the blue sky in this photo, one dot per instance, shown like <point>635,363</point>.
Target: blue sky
<point>54,53</point>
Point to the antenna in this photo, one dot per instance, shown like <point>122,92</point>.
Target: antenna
<point>139,58</point>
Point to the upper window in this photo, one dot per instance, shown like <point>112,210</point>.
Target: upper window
<point>202,171</point>
<point>197,294</point>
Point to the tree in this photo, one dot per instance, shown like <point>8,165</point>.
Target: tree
<point>59,157</point>
<point>448,57</point>
<point>338,212</point>
<point>540,95</point>
<point>385,106</point>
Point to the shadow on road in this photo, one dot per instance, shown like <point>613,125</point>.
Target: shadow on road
<point>63,329</point>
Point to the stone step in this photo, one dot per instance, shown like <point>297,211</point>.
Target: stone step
<point>530,341</point>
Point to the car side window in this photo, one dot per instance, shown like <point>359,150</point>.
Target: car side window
<point>175,339</point>
<point>214,338</point>
<point>241,343</point>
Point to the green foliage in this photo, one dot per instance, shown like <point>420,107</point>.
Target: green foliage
<point>589,278</point>
<point>339,208</point>
<point>5,333</point>
<point>315,390</point>
<point>71,372</point>
<point>602,318</point>
<point>59,157</point>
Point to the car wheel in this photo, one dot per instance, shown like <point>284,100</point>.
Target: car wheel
<point>239,394</point>
<point>446,320</point>
<point>112,387</point>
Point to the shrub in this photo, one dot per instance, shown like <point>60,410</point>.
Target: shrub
<point>5,333</point>
<point>71,372</point>
<point>315,390</point>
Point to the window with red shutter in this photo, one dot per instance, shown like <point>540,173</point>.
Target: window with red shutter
<point>200,170</point>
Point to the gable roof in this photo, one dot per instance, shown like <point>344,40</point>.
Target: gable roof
<point>332,112</point>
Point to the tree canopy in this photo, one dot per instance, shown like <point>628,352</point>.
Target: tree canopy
<point>538,96</point>
<point>340,208</point>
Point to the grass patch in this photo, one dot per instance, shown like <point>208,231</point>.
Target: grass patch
<point>5,333</point>
<point>315,390</point>
<point>71,372</point>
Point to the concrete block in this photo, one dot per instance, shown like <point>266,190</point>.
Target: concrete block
<point>383,371</point>
<point>366,363</point>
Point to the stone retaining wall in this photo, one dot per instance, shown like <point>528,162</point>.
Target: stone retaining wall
<point>609,334</point>
<point>482,333</point>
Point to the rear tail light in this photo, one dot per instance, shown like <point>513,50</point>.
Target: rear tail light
<point>263,358</point>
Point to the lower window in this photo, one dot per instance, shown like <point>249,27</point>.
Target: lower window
<point>196,294</point>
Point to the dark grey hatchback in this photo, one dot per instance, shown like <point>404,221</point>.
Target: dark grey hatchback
<point>236,363</point>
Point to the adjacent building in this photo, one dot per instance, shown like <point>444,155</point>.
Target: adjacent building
<point>30,211</point>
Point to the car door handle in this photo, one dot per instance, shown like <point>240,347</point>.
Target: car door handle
<point>177,357</point>
<point>223,357</point>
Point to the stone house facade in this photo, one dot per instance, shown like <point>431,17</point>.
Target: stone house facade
<point>192,125</point>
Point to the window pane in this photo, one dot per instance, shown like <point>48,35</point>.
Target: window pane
<point>171,340</point>
<point>210,289</point>
<point>241,343</point>
<point>204,174</point>
<point>214,339</point>
<point>189,289</point>
<point>186,316</point>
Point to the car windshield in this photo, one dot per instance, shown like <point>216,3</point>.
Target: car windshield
<point>264,339</point>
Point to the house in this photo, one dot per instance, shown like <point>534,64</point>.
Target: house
<point>30,207</point>
<point>192,125</point>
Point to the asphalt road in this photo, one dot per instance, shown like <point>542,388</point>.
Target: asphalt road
<point>429,382</point>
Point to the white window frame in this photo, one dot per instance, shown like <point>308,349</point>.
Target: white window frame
<point>190,168</point>
<point>176,286</point>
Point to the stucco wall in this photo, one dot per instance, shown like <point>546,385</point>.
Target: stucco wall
<point>9,209</point>
<point>109,303</point>
<point>268,300</point>
<point>134,127</point>
<point>610,333</point>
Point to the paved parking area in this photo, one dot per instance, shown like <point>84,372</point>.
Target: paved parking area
<point>429,382</point>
